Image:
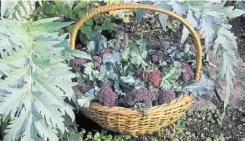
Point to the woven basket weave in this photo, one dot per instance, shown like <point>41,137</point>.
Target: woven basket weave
<point>126,120</point>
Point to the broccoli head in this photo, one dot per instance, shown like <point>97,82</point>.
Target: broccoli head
<point>140,96</point>
<point>166,96</point>
<point>153,78</point>
<point>98,61</point>
<point>106,97</point>
<point>104,51</point>
<point>77,62</point>
<point>106,83</point>
<point>85,88</point>
<point>187,72</point>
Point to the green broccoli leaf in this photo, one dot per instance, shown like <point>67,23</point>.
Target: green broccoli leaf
<point>170,77</point>
<point>97,43</point>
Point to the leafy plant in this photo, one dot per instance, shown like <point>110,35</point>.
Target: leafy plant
<point>18,9</point>
<point>73,10</point>
<point>130,77</point>
<point>35,79</point>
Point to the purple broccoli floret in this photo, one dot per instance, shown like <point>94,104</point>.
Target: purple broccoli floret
<point>139,72</point>
<point>77,62</point>
<point>106,97</point>
<point>106,83</point>
<point>140,95</point>
<point>98,61</point>
<point>153,78</point>
<point>187,72</point>
<point>156,55</point>
<point>105,51</point>
<point>85,88</point>
<point>166,96</point>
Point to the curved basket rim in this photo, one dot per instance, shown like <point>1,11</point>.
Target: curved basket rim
<point>117,109</point>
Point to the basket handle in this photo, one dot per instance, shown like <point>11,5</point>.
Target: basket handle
<point>113,7</point>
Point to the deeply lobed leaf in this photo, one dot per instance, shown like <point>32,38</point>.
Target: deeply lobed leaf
<point>32,57</point>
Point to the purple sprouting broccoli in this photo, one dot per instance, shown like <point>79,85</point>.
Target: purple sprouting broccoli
<point>140,96</point>
<point>187,72</point>
<point>85,88</point>
<point>153,78</point>
<point>139,72</point>
<point>104,51</point>
<point>77,62</point>
<point>98,61</point>
<point>106,83</point>
<point>156,56</point>
<point>166,96</point>
<point>106,97</point>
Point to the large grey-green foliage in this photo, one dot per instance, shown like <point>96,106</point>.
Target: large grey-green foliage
<point>35,79</point>
<point>210,18</point>
<point>17,9</point>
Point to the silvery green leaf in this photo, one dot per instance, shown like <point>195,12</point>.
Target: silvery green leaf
<point>192,21</point>
<point>89,70</point>
<point>85,100</point>
<point>112,58</point>
<point>63,4</point>
<point>178,8</point>
<point>17,10</point>
<point>139,16</point>
<point>201,86</point>
<point>226,44</point>
<point>97,43</point>
<point>230,12</point>
<point>170,76</point>
<point>163,18</point>
<point>209,24</point>
<point>37,75</point>
<point>76,53</point>
<point>125,54</point>
<point>128,79</point>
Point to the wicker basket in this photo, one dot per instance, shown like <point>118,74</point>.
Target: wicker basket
<point>126,120</point>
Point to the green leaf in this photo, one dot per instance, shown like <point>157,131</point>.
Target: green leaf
<point>37,75</point>
<point>90,22</point>
<point>128,79</point>
<point>81,13</point>
<point>178,8</point>
<point>112,58</point>
<point>85,100</point>
<point>191,20</point>
<point>81,5</point>
<point>97,43</point>
<point>87,30</point>
<point>226,44</point>
<point>163,18</point>
<point>170,77</point>
<point>47,27</point>
<point>139,16</point>
<point>209,24</point>
<point>17,10</point>
<point>230,12</point>
<point>45,21</point>
<point>50,9</point>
